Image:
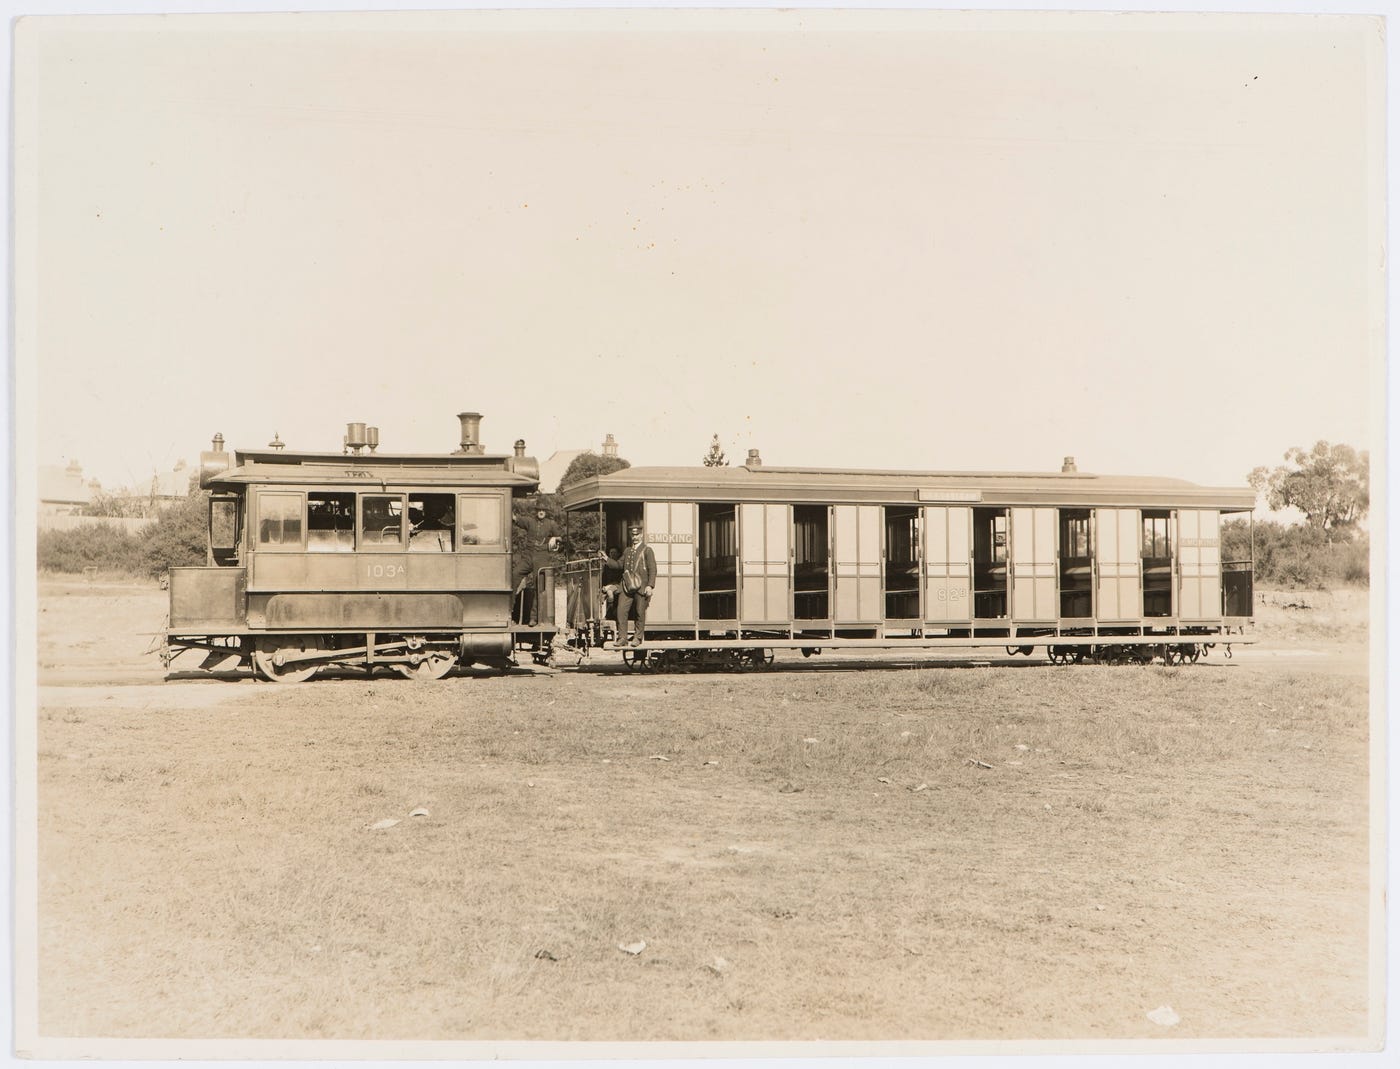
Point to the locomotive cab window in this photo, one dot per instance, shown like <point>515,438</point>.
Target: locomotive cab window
<point>224,530</point>
<point>480,522</point>
<point>279,520</point>
<point>434,520</point>
<point>330,523</point>
<point>381,521</point>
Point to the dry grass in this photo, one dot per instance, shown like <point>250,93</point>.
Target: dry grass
<point>820,854</point>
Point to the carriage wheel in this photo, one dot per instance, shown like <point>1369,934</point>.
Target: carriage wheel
<point>270,652</point>
<point>434,665</point>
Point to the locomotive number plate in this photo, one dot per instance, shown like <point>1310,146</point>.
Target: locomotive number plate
<point>385,571</point>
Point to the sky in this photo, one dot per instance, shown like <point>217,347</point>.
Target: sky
<point>913,240</point>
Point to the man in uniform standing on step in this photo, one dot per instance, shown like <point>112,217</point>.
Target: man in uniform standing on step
<point>638,579</point>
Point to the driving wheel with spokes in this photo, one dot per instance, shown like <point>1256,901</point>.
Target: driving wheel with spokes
<point>434,664</point>
<point>274,658</point>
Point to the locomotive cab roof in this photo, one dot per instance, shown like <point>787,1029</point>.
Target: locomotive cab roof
<point>377,469</point>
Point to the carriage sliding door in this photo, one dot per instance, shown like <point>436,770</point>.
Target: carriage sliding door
<point>1033,565</point>
<point>670,531</point>
<point>1200,564</point>
<point>947,564</point>
<point>1120,564</point>
<point>858,565</point>
<point>763,562</point>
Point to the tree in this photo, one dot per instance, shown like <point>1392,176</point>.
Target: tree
<point>715,457</point>
<point>587,465</point>
<point>1329,484</point>
<point>583,535</point>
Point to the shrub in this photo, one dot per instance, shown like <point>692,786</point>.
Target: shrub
<point>177,538</point>
<point>1298,555</point>
<point>103,546</point>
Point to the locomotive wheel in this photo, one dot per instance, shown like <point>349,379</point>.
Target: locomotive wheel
<point>434,665</point>
<point>268,655</point>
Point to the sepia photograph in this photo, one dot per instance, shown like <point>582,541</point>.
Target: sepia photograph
<point>663,533</point>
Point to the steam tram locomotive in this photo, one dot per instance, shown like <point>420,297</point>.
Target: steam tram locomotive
<point>754,558</point>
<point>365,559</point>
<point>355,559</point>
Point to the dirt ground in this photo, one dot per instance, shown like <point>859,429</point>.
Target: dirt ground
<point>846,848</point>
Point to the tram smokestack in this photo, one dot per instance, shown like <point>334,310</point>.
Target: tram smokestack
<point>471,433</point>
<point>1068,467</point>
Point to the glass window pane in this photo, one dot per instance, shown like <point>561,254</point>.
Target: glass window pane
<point>381,519</point>
<point>479,521</point>
<point>223,523</point>
<point>434,523</point>
<point>330,523</point>
<point>279,519</point>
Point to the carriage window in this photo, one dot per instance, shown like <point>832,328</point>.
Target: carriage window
<point>434,522</point>
<point>330,523</point>
<point>479,521</point>
<point>1155,539</point>
<point>279,520</point>
<point>1074,533</point>
<point>381,520</point>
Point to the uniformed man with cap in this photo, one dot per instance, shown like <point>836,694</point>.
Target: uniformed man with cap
<point>638,579</point>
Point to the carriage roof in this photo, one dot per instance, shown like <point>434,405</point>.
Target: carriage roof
<point>847,485</point>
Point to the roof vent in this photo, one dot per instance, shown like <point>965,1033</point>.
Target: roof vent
<point>1068,467</point>
<point>754,461</point>
<point>372,438</point>
<point>276,442</point>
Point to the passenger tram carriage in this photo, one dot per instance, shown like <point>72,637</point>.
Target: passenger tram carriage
<point>362,559</point>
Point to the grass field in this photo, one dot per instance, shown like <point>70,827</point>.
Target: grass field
<point>806,853</point>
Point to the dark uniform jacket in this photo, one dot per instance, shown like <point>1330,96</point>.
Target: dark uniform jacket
<point>639,561</point>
